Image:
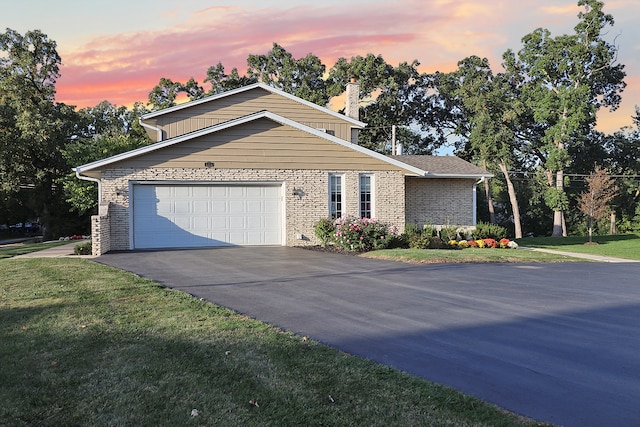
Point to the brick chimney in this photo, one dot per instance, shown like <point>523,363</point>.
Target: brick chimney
<point>353,97</point>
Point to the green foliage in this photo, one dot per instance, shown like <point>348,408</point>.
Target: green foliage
<point>362,234</point>
<point>396,102</point>
<point>489,231</point>
<point>556,199</point>
<point>103,131</point>
<point>429,230</point>
<point>449,233</point>
<point>222,82</point>
<point>564,81</point>
<point>424,241</point>
<point>33,127</point>
<point>83,248</point>
<point>302,77</point>
<point>324,230</point>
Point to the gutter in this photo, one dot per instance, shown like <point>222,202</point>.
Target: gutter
<point>88,178</point>
<point>148,126</point>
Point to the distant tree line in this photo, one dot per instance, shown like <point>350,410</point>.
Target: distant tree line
<point>533,124</point>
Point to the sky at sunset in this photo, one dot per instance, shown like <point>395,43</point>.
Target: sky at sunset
<point>118,50</point>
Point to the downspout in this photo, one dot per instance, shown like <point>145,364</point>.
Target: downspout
<point>88,178</point>
<point>475,204</point>
<point>148,126</point>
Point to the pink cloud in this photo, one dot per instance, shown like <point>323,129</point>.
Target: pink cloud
<point>123,68</point>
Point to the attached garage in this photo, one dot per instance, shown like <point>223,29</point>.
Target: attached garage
<point>205,215</point>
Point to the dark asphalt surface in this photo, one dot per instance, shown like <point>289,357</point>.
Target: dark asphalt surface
<point>556,342</point>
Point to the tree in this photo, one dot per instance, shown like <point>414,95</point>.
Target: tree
<point>391,95</point>
<point>565,80</point>
<point>103,131</point>
<point>594,202</point>
<point>34,127</point>
<point>221,82</point>
<point>302,77</point>
<point>484,110</point>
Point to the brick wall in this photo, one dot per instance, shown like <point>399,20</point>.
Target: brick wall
<point>439,201</point>
<point>301,212</point>
<point>101,231</point>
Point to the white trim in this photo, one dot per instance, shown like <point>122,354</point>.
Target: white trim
<point>91,179</point>
<point>246,119</point>
<point>153,128</point>
<point>459,175</point>
<point>343,204</point>
<point>247,88</point>
<point>372,193</point>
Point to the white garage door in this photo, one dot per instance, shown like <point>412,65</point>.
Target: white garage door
<point>186,216</point>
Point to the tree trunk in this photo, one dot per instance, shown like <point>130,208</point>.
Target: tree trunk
<point>612,226</point>
<point>513,199</point>
<point>487,192</point>
<point>559,227</point>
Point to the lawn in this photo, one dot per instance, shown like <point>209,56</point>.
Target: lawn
<point>618,245</point>
<point>84,344</point>
<point>433,256</point>
<point>8,251</point>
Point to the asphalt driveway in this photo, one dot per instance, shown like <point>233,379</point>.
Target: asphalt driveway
<point>556,342</point>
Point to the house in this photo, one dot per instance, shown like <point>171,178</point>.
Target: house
<point>258,166</point>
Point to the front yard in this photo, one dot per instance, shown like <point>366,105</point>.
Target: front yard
<point>84,344</point>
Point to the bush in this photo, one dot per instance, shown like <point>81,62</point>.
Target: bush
<point>489,231</point>
<point>424,241</point>
<point>362,234</point>
<point>324,230</point>
<point>429,230</point>
<point>448,233</point>
<point>83,248</point>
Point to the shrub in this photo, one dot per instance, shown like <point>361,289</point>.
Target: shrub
<point>448,233</point>
<point>324,230</point>
<point>489,231</point>
<point>362,234</point>
<point>83,248</point>
<point>429,242</point>
<point>429,230</point>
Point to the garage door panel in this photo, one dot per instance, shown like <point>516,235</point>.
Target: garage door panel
<point>206,215</point>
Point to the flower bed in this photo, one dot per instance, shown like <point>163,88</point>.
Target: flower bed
<point>485,243</point>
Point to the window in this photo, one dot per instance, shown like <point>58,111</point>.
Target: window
<point>366,196</point>
<point>335,196</point>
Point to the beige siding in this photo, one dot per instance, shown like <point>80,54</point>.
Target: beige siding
<point>262,144</point>
<point>231,107</point>
<point>439,201</point>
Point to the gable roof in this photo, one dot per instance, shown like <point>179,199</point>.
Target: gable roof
<point>444,166</point>
<point>412,170</point>
<point>263,86</point>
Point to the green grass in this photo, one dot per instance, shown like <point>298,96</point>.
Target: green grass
<point>433,256</point>
<point>88,345</point>
<point>619,245</point>
<point>9,251</point>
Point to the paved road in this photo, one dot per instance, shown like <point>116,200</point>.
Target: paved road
<point>556,342</point>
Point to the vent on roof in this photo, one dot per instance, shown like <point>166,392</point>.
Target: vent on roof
<point>328,131</point>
